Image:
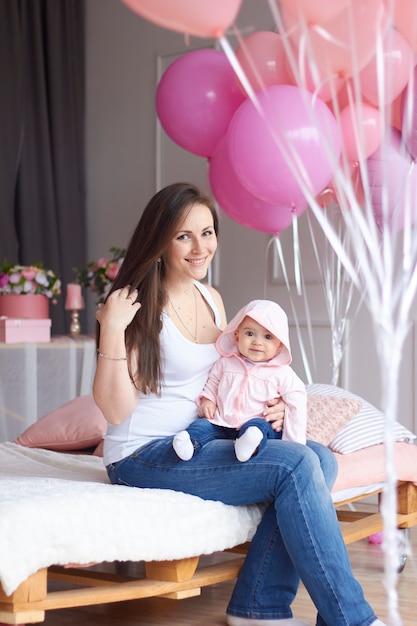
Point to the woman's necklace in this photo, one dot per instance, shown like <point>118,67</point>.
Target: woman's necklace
<point>193,336</point>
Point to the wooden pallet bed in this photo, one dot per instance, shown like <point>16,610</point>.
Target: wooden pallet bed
<point>79,485</point>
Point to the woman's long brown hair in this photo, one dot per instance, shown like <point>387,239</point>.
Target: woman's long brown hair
<point>143,269</point>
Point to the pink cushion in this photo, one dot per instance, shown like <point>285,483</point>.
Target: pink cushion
<point>368,466</point>
<point>76,425</point>
<point>97,452</point>
<point>327,415</point>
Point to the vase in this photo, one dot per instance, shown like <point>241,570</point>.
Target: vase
<point>24,306</point>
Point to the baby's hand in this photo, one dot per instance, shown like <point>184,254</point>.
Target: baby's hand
<point>206,409</point>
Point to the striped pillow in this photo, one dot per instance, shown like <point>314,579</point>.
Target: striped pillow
<point>365,429</point>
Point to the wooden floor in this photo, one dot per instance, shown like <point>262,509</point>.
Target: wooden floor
<point>209,609</point>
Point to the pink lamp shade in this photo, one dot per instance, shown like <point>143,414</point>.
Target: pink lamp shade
<point>74,300</point>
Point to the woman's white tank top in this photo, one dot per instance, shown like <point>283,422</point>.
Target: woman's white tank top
<point>186,366</point>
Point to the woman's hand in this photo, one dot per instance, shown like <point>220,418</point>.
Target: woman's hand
<point>114,392</point>
<point>274,413</point>
<point>119,309</point>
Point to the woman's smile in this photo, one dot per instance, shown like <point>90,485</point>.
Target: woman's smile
<point>193,246</point>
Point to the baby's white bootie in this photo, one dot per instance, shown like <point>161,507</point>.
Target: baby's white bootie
<point>183,445</point>
<point>246,445</point>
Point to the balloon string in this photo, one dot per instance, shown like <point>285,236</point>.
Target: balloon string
<point>282,261</point>
<point>338,290</point>
<point>300,339</point>
<point>324,34</point>
<point>409,106</point>
<point>234,62</point>
<point>296,249</point>
<point>285,36</point>
<point>249,59</point>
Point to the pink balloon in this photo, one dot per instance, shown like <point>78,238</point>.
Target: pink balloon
<point>405,20</point>
<point>409,116</point>
<point>196,99</point>
<point>193,17</point>
<point>356,181</point>
<point>393,183</point>
<point>376,538</point>
<point>344,96</point>
<point>327,198</point>
<point>391,69</point>
<point>315,10</point>
<point>295,138</point>
<point>332,194</point>
<point>345,43</point>
<point>238,203</point>
<point>326,88</point>
<point>393,111</point>
<point>263,59</point>
<point>361,129</point>
<point>353,181</point>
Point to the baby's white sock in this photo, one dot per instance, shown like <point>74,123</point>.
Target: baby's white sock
<point>246,445</point>
<point>183,445</point>
<point>378,623</point>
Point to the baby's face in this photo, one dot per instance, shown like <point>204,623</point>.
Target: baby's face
<point>255,342</point>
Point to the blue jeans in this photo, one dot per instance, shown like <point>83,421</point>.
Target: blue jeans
<point>298,536</point>
<point>202,431</point>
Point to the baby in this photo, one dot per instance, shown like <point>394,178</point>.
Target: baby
<point>254,367</point>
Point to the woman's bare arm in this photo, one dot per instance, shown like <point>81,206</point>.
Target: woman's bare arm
<point>113,390</point>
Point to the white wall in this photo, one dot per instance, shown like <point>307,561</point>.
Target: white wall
<point>123,52</point>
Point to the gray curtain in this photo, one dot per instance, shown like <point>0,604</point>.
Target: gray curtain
<point>42,170</point>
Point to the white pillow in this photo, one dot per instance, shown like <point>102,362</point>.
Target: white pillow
<point>365,429</point>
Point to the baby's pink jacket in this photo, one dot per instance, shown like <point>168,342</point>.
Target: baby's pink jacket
<point>241,388</point>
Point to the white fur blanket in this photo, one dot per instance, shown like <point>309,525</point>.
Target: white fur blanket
<point>60,508</point>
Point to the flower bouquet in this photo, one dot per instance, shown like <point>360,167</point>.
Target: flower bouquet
<point>99,275</point>
<point>29,280</point>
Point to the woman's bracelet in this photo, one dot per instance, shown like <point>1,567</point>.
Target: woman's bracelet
<point>112,358</point>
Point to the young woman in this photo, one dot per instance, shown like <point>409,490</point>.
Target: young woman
<point>156,336</point>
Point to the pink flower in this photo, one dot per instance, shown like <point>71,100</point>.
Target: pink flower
<point>29,273</point>
<point>99,275</point>
<point>102,262</point>
<point>4,279</point>
<point>112,270</point>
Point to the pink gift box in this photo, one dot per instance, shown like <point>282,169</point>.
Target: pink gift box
<point>14,330</point>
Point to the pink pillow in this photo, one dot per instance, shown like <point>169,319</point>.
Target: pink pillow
<point>76,425</point>
<point>327,415</point>
<point>97,452</point>
<point>370,464</point>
